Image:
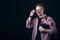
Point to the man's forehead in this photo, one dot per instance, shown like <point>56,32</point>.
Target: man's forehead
<point>38,7</point>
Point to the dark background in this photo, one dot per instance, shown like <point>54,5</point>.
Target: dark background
<point>13,14</point>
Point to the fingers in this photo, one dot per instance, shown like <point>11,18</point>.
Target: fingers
<point>41,29</point>
<point>32,12</point>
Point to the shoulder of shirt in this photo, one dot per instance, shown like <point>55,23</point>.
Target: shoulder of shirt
<point>49,17</point>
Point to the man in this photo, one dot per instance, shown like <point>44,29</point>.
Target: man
<point>44,33</point>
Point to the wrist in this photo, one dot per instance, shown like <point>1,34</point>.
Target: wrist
<point>30,16</point>
<point>45,30</point>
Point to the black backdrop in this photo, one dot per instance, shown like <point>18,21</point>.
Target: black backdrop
<point>13,14</point>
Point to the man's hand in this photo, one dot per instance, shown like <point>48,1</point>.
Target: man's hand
<point>32,12</point>
<point>41,29</point>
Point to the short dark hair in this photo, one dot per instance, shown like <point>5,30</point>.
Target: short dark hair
<point>40,4</point>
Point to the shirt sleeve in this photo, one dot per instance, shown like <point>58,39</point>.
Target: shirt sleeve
<point>29,23</point>
<point>52,26</point>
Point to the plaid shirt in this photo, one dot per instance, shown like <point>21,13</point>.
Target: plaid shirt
<point>44,36</point>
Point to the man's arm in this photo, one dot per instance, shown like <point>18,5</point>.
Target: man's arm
<point>52,26</point>
<point>29,22</point>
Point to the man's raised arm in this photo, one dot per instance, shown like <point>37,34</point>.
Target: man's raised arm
<point>29,22</point>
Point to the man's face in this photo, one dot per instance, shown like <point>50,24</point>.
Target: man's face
<point>39,10</point>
